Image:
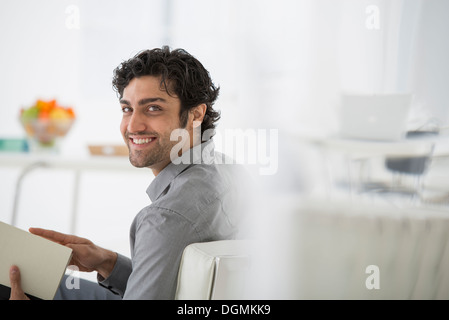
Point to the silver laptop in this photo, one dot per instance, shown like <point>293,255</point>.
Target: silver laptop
<point>381,117</point>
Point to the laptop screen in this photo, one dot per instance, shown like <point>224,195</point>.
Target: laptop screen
<point>380,117</point>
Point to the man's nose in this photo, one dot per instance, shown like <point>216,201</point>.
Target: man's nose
<point>136,123</point>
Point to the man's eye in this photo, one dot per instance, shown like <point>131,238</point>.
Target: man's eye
<point>126,109</point>
<point>154,108</point>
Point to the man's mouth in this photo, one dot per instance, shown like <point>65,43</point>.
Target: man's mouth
<point>142,141</point>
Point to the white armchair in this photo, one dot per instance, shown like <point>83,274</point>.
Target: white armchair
<point>213,271</point>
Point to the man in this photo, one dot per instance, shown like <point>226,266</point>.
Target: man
<point>167,100</point>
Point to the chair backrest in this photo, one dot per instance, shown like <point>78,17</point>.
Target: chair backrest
<point>213,270</point>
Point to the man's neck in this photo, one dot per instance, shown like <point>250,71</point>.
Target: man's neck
<point>156,169</point>
<point>159,167</point>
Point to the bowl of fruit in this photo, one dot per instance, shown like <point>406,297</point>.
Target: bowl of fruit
<point>46,123</point>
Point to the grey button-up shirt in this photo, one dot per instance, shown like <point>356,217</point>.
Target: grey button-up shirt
<point>193,200</point>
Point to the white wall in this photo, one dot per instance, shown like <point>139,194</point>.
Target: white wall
<point>296,54</point>
<point>280,64</point>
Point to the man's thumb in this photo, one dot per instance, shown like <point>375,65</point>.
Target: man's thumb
<point>16,289</point>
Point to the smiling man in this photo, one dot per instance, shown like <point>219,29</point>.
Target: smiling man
<point>161,91</point>
<point>150,117</point>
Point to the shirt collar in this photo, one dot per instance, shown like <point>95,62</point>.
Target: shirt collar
<point>202,153</point>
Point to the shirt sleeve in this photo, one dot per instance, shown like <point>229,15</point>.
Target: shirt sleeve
<point>161,236</point>
<point>116,282</point>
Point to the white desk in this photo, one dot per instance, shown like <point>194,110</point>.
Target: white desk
<point>66,162</point>
<point>370,148</point>
<point>28,162</point>
<point>435,147</point>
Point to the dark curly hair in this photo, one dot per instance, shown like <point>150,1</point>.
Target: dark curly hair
<point>182,75</point>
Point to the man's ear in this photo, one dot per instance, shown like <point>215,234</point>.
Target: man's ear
<point>198,114</point>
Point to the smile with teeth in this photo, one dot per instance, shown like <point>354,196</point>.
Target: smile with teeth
<point>142,141</point>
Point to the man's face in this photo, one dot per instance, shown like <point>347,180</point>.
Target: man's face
<point>150,114</point>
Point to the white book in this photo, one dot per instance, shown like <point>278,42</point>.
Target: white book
<point>42,263</point>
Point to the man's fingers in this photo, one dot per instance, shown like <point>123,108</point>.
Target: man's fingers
<point>16,288</point>
<point>50,235</point>
<point>58,237</point>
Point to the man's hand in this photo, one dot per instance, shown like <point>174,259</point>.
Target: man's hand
<point>16,288</point>
<point>86,255</point>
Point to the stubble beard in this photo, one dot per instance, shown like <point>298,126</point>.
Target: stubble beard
<point>146,158</point>
<point>158,153</point>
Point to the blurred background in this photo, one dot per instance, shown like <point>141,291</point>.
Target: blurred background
<point>282,67</point>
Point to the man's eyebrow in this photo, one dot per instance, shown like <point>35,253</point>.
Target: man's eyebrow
<point>143,101</point>
<point>149,100</point>
<point>123,101</point>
